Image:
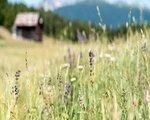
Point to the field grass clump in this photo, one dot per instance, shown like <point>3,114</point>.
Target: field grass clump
<point>65,81</point>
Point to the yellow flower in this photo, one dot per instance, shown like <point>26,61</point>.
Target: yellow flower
<point>65,116</point>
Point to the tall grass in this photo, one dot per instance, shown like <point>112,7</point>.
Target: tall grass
<point>95,80</point>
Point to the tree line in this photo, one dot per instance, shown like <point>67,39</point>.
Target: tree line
<point>58,27</point>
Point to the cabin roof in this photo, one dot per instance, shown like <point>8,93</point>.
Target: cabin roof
<point>27,19</point>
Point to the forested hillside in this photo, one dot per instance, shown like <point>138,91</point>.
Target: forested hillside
<point>61,28</point>
<point>55,25</point>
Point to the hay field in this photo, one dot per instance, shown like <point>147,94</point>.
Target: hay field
<point>58,80</point>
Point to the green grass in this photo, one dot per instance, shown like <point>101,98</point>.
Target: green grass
<point>113,86</point>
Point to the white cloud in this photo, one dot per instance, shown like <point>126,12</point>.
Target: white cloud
<point>138,3</point>
<point>58,3</point>
<point>141,3</point>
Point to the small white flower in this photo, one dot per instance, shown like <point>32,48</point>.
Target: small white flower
<point>107,55</point>
<point>147,97</point>
<point>73,79</point>
<point>111,47</point>
<point>80,67</point>
<point>101,55</point>
<point>64,66</point>
<point>113,59</point>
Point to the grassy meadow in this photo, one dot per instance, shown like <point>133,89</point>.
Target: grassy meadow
<point>58,80</point>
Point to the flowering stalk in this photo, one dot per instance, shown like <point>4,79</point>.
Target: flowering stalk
<point>68,90</point>
<point>15,93</point>
<point>91,60</point>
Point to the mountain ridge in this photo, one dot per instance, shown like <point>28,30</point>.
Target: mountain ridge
<point>112,15</point>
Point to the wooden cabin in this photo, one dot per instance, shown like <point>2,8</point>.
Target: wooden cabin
<point>28,25</point>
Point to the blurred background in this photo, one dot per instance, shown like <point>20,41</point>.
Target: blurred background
<point>75,20</point>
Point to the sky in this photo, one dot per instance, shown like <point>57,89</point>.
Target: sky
<point>53,4</point>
